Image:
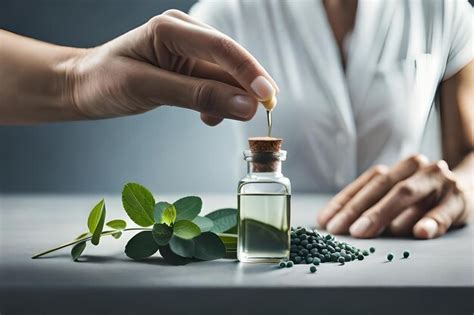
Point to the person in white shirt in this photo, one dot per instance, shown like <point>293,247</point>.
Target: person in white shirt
<point>360,79</point>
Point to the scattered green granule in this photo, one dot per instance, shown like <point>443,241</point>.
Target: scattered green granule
<point>289,264</point>
<point>372,250</point>
<point>406,254</point>
<point>310,247</point>
<point>282,264</point>
<point>312,269</point>
<point>390,257</point>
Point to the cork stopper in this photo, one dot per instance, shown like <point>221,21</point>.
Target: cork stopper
<point>265,144</point>
<point>264,150</point>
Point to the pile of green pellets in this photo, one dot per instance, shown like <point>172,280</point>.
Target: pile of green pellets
<point>310,247</point>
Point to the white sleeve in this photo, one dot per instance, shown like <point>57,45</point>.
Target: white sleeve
<point>461,50</point>
<point>220,14</point>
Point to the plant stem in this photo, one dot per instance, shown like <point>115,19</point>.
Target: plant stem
<point>85,239</point>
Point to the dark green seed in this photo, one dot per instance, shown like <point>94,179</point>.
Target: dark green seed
<point>390,257</point>
<point>297,259</point>
<point>309,246</point>
<point>347,257</point>
<point>328,237</point>
<point>324,251</point>
<point>341,260</point>
<point>303,237</point>
<point>289,264</point>
<point>365,253</point>
<point>282,264</point>
<point>316,261</point>
<point>293,235</point>
<point>312,269</point>
<point>331,249</point>
<point>296,241</point>
<point>304,242</point>
<point>309,260</point>
<point>360,257</point>
<point>406,254</point>
<point>338,249</point>
<point>372,250</point>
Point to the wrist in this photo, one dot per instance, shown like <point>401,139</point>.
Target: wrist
<point>67,70</point>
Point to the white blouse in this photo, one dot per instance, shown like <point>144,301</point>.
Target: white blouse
<point>335,123</point>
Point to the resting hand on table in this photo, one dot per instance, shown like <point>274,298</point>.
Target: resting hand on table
<point>413,196</point>
<point>172,59</point>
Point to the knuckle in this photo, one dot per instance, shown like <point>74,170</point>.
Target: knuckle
<point>418,160</point>
<point>405,189</point>
<point>243,65</point>
<point>173,13</point>
<point>204,98</point>
<point>160,23</point>
<point>380,169</point>
<point>383,180</point>
<point>224,44</point>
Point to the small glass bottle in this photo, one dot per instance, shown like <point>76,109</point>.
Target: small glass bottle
<point>264,208</point>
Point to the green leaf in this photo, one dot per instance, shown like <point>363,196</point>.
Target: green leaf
<point>182,247</point>
<point>208,246</point>
<point>224,219</point>
<point>171,258</point>
<point>186,229</point>
<point>98,211</point>
<point>77,250</point>
<point>117,224</point>
<point>162,233</point>
<point>94,216</point>
<point>230,242</point>
<point>158,211</point>
<point>117,235</point>
<point>138,202</point>
<point>205,224</point>
<point>85,234</point>
<point>169,215</point>
<point>188,208</point>
<point>141,246</point>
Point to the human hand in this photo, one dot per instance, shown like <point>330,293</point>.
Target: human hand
<point>413,197</point>
<point>172,59</point>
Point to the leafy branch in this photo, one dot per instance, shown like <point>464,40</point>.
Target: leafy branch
<point>174,229</point>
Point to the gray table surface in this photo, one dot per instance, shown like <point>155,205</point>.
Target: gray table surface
<point>438,278</point>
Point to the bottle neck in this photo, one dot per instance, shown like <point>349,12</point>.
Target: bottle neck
<point>257,169</point>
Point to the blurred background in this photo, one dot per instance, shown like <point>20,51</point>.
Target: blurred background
<point>168,150</point>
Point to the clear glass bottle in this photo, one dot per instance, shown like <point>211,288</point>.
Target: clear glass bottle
<point>264,209</point>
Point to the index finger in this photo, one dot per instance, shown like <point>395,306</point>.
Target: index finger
<point>194,41</point>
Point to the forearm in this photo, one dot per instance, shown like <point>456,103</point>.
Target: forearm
<point>34,86</point>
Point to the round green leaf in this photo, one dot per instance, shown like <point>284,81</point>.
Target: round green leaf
<point>171,258</point>
<point>224,219</point>
<point>158,211</point>
<point>182,247</point>
<point>186,229</point>
<point>117,224</point>
<point>77,250</point>
<point>162,233</point>
<point>139,203</point>
<point>141,246</point>
<point>188,208</point>
<point>208,246</point>
<point>205,224</point>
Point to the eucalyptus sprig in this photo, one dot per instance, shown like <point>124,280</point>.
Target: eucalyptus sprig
<point>176,229</point>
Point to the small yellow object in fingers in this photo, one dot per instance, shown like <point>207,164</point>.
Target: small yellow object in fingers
<point>270,104</point>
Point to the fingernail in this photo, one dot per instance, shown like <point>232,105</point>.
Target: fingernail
<point>360,226</point>
<point>242,106</point>
<point>262,88</point>
<point>429,227</point>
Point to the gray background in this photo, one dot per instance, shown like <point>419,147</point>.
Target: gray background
<point>168,149</point>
